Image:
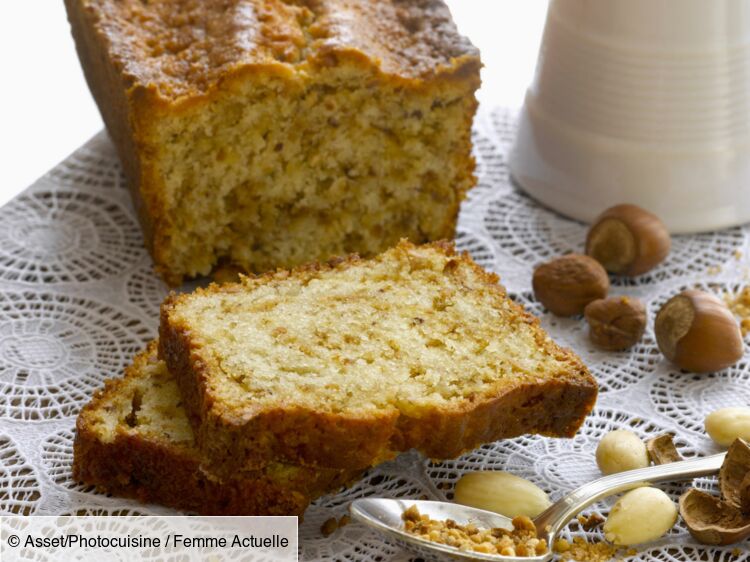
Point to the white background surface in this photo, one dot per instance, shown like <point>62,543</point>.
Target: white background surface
<point>46,110</point>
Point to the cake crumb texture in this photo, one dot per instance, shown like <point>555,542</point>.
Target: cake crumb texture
<point>346,364</point>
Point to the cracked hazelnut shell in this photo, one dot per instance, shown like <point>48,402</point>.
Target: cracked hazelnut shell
<point>565,285</point>
<point>724,520</point>
<point>711,520</point>
<point>697,332</point>
<point>628,240</point>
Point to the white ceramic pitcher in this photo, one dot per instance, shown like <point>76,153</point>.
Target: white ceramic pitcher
<point>645,102</point>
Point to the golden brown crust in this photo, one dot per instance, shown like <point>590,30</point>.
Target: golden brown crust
<point>159,470</point>
<point>133,468</point>
<point>184,48</point>
<point>110,90</point>
<point>553,404</point>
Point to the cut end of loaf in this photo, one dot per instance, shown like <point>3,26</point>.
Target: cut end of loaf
<point>283,171</point>
<point>416,334</point>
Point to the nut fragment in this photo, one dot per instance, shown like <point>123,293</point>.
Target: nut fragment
<point>565,285</point>
<point>621,450</point>
<point>501,492</point>
<point>734,474</point>
<point>661,449</point>
<point>520,541</point>
<point>615,323</point>
<point>727,424</point>
<point>329,526</point>
<point>642,515</point>
<point>560,546</point>
<point>628,240</point>
<point>595,551</point>
<point>739,304</point>
<point>697,332</point>
<point>590,522</point>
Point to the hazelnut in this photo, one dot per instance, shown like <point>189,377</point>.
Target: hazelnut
<point>642,515</point>
<point>501,492</point>
<point>615,323</point>
<point>621,450</point>
<point>697,332</point>
<point>628,240</point>
<point>567,284</point>
<point>727,424</point>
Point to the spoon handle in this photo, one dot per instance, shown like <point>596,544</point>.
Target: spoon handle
<point>556,516</point>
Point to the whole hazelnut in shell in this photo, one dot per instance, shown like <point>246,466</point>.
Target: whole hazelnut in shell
<point>628,240</point>
<point>697,332</point>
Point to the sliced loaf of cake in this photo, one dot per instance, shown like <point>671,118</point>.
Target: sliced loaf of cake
<point>134,440</point>
<point>269,133</point>
<point>346,364</point>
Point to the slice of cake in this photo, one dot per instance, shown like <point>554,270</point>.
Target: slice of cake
<point>267,133</point>
<point>346,364</point>
<point>134,440</point>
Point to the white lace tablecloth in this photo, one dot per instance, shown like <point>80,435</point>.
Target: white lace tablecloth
<point>78,299</point>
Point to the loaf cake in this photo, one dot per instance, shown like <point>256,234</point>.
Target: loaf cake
<point>346,364</point>
<point>267,133</point>
<point>134,440</point>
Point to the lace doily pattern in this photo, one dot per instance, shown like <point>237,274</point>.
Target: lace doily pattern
<point>95,164</point>
<point>18,480</point>
<point>78,298</point>
<point>57,456</point>
<point>146,291</point>
<point>56,349</point>
<point>66,236</point>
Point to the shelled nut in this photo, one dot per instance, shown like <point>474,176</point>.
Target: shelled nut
<point>727,424</point>
<point>621,450</point>
<point>642,515</point>
<point>697,332</point>
<point>628,240</point>
<point>501,492</point>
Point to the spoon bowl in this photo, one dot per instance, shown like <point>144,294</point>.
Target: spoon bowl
<point>384,515</point>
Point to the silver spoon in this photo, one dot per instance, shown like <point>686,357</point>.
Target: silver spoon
<point>384,515</point>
